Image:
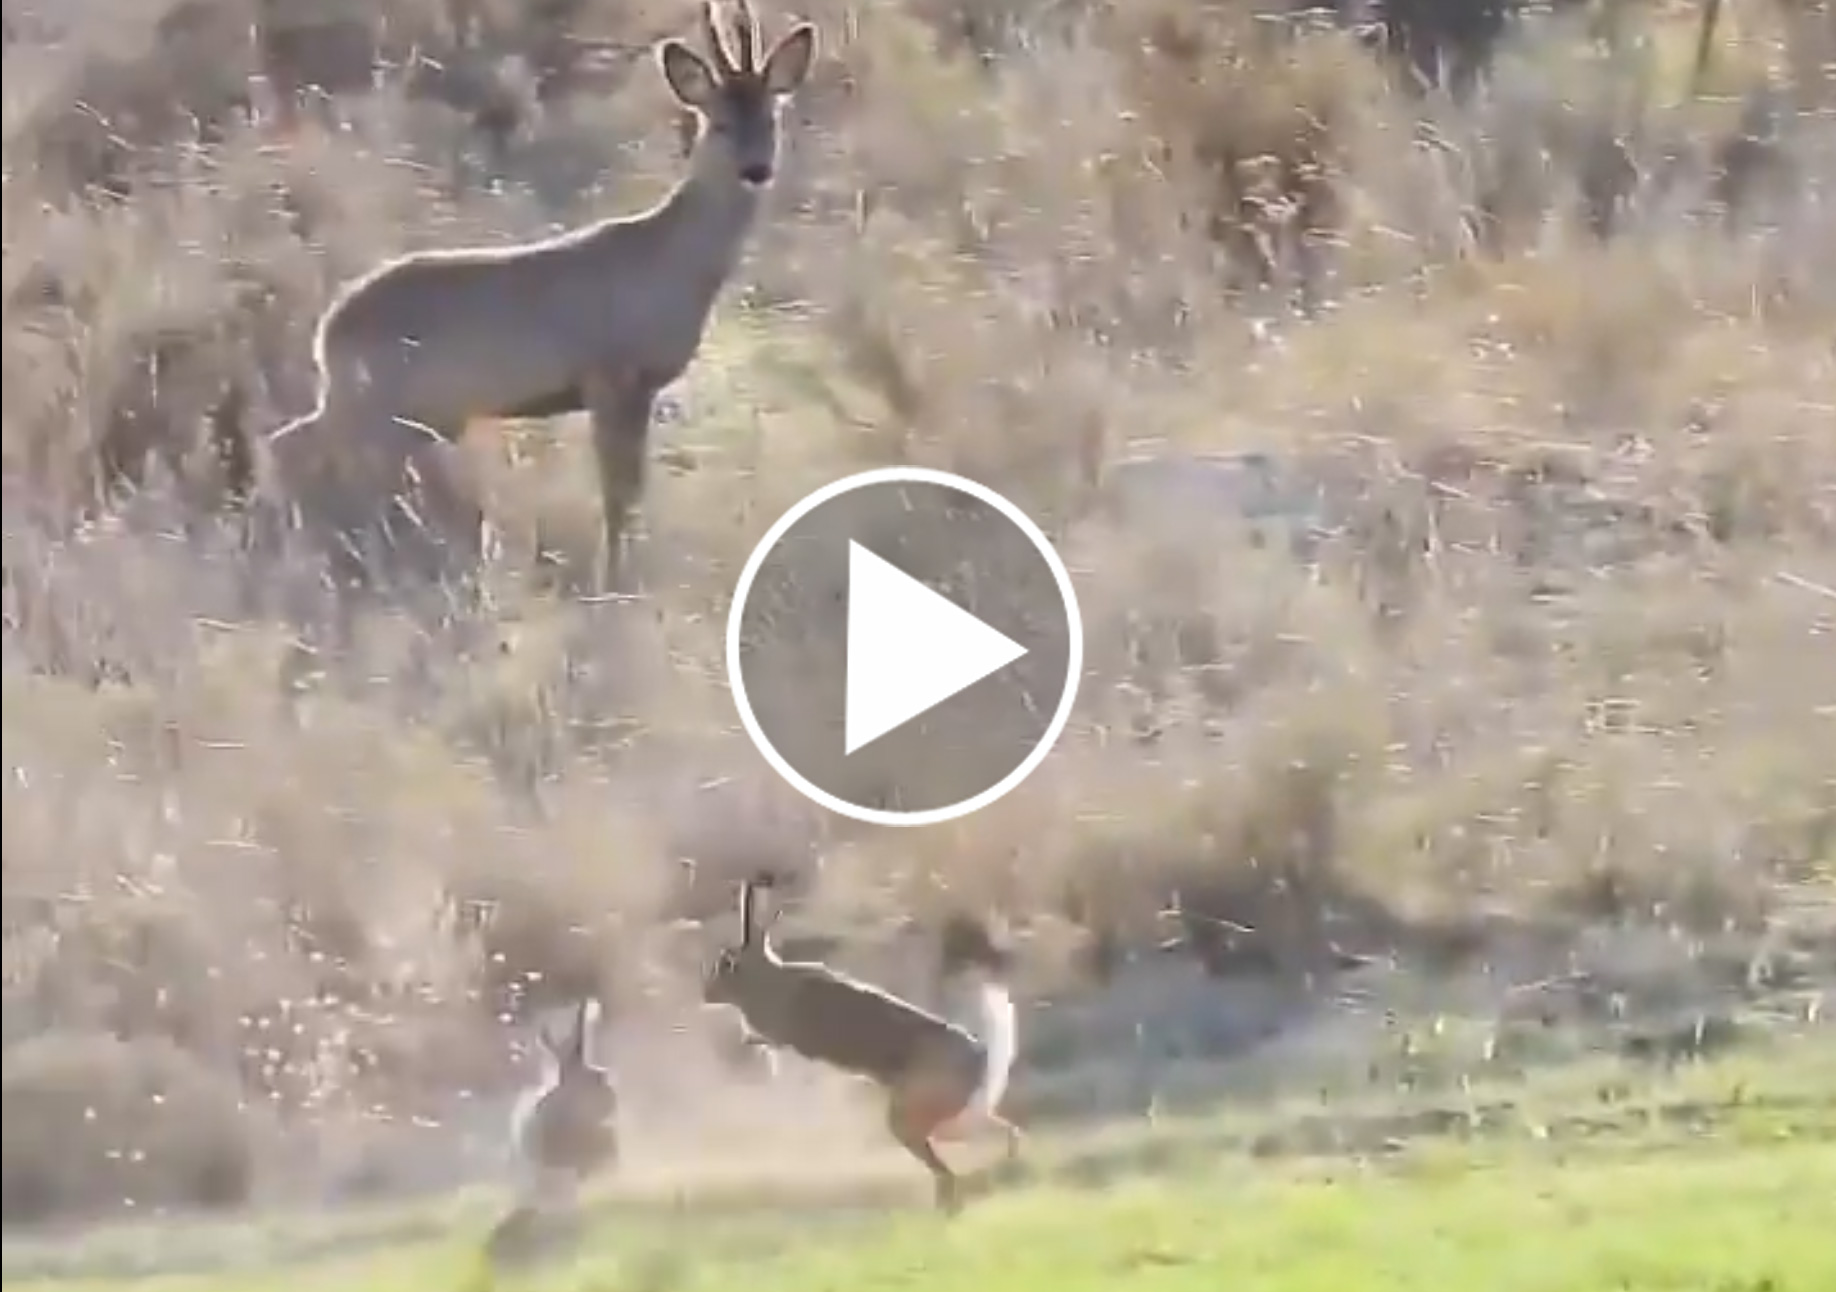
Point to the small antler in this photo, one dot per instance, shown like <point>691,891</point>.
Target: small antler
<point>717,39</point>
<point>749,37</point>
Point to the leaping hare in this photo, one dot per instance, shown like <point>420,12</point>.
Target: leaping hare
<point>937,1076</point>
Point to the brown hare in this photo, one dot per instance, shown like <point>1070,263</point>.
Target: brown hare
<point>563,1131</point>
<point>935,1074</point>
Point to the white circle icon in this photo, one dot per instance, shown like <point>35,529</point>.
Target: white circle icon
<point>912,619</point>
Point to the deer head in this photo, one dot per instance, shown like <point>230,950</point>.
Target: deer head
<point>738,96</point>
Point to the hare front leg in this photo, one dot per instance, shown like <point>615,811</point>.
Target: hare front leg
<point>621,408</point>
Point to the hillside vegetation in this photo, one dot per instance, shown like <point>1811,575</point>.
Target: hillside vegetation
<point>1534,636</point>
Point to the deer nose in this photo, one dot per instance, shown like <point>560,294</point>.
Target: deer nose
<point>756,173</point>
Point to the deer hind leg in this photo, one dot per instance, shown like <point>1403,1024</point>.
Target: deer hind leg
<point>429,520</point>
<point>446,501</point>
<point>621,409</point>
<point>318,486</point>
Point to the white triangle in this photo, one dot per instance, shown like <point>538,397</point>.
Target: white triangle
<point>909,649</point>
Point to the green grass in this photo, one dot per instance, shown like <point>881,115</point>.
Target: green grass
<point>1716,1218</point>
<point>1717,1180</point>
<point>1725,1220</point>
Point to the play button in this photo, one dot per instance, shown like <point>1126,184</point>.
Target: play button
<point>904,646</point>
<point>909,649</point>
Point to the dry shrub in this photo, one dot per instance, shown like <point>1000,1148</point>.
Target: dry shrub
<point>104,112</point>
<point>99,110</point>
<point>97,1124</point>
<point>1251,116</point>
<point>497,66</point>
<point>1445,41</point>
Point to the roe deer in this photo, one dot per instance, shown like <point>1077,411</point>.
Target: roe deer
<point>932,1071</point>
<point>562,1131</point>
<point>595,320</point>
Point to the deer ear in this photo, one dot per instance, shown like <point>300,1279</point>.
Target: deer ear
<point>788,64</point>
<point>687,74</point>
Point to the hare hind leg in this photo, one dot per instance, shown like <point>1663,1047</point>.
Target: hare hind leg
<point>936,1095</point>
<point>542,1217</point>
<point>971,1125</point>
<point>912,1124</point>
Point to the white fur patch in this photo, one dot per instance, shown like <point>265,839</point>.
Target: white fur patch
<point>1000,1032</point>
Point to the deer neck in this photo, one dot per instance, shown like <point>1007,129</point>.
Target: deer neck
<point>709,217</point>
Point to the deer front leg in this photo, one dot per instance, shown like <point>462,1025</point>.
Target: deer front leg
<point>620,408</point>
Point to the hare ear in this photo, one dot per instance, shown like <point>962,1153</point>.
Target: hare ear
<point>577,1042</point>
<point>747,900</point>
<point>586,1039</point>
<point>770,924</point>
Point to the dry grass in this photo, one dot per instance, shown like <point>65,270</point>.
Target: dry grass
<point>1563,650</point>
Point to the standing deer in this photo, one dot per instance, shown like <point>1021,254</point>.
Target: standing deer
<point>933,1072</point>
<point>597,320</point>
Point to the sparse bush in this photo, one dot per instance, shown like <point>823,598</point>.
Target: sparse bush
<point>96,1124</point>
